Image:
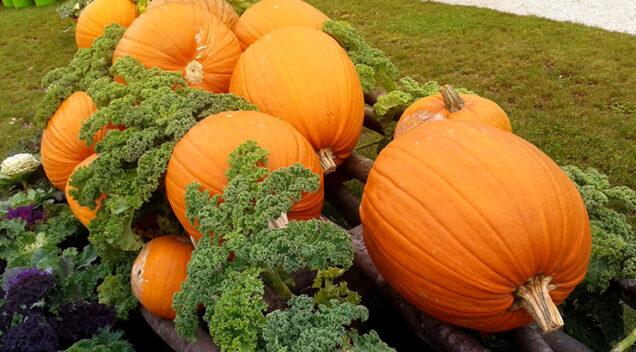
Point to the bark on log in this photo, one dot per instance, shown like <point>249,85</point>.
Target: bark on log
<point>356,166</point>
<point>629,291</point>
<point>530,339</point>
<point>165,329</point>
<point>372,97</point>
<point>371,121</point>
<point>561,342</point>
<point>341,199</point>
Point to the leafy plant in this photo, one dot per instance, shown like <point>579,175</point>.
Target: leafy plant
<point>72,8</point>
<point>232,291</point>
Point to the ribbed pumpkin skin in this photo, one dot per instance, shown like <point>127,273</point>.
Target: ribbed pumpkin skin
<point>61,148</point>
<point>177,35</point>
<point>202,155</point>
<point>99,14</point>
<point>475,109</point>
<point>303,76</point>
<point>83,214</point>
<point>219,8</point>
<point>158,272</point>
<point>268,15</point>
<point>457,215</point>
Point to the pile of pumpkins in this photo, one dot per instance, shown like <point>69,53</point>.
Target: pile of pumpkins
<point>463,218</point>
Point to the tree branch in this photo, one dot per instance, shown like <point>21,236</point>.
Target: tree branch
<point>165,329</point>
<point>530,339</point>
<point>561,342</point>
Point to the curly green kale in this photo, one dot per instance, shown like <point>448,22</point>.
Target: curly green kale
<point>613,239</point>
<point>264,250</point>
<point>105,341</point>
<point>88,65</point>
<point>373,66</point>
<point>155,115</point>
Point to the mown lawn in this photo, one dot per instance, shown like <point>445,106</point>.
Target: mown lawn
<point>567,88</point>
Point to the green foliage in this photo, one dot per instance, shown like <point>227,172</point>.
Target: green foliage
<point>263,252</point>
<point>613,239</point>
<point>373,66</point>
<point>241,5</point>
<point>328,290</point>
<point>105,341</point>
<point>87,66</point>
<point>72,8</point>
<point>115,289</point>
<point>130,163</point>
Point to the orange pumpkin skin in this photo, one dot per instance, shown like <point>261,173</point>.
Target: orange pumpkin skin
<point>303,76</point>
<point>475,108</point>
<point>83,214</point>
<point>158,272</point>
<point>268,15</point>
<point>99,14</point>
<point>180,36</point>
<point>202,155</point>
<point>457,215</point>
<point>219,8</point>
<point>61,148</point>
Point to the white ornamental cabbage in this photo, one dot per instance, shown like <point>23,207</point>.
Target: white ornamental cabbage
<point>19,164</point>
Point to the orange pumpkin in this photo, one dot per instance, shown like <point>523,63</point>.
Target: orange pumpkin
<point>158,272</point>
<point>268,15</point>
<point>181,36</point>
<point>305,77</point>
<point>219,8</point>
<point>450,105</point>
<point>99,14</point>
<point>83,214</point>
<point>202,155</point>
<point>61,148</point>
<point>467,221</point>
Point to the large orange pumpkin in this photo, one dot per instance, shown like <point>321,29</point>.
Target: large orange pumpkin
<point>268,15</point>
<point>450,105</point>
<point>99,14</point>
<point>61,148</point>
<point>83,214</point>
<point>219,8</point>
<point>305,77</point>
<point>466,221</point>
<point>158,272</point>
<point>202,155</point>
<point>182,36</point>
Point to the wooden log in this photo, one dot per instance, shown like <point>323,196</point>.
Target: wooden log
<point>628,289</point>
<point>341,199</point>
<point>356,166</point>
<point>165,329</point>
<point>372,97</point>
<point>529,339</point>
<point>562,342</point>
<point>371,121</point>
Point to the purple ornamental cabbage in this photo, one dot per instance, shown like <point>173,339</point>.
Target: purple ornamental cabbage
<point>33,335</point>
<point>29,287</point>
<point>25,213</point>
<point>81,320</point>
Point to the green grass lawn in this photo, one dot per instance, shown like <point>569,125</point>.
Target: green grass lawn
<point>567,88</point>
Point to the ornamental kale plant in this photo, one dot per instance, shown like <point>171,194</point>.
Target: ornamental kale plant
<point>249,227</point>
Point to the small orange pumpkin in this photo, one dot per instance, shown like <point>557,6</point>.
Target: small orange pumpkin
<point>305,77</point>
<point>99,14</point>
<point>83,214</point>
<point>180,36</point>
<point>219,8</point>
<point>469,223</point>
<point>450,105</point>
<point>202,155</point>
<point>158,272</point>
<point>61,148</point>
<point>268,15</point>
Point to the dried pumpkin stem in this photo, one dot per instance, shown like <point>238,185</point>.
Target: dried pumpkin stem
<point>535,298</point>
<point>325,156</point>
<point>194,72</point>
<point>452,100</point>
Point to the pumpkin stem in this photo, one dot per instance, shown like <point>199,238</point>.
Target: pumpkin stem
<point>452,100</point>
<point>279,223</point>
<point>417,118</point>
<point>325,156</point>
<point>194,72</point>
<point>535,298</point>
